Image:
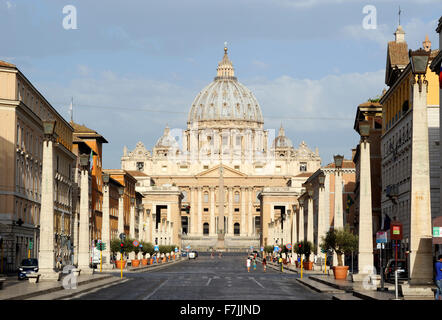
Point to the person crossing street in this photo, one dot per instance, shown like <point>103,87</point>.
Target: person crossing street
<point>248,264</point>
<point>264,264</point>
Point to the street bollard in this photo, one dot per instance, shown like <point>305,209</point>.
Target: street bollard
<point>396,284</point>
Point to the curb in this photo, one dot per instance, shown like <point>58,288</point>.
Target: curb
<point>70,295</point>
<point>55,289</point>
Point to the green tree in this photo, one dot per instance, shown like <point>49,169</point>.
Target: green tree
<point>305,248</point>
<point>341,241</point>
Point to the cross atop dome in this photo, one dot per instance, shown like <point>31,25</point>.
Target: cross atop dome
<point>225,68</point>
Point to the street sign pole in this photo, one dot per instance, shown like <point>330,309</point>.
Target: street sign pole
<point>301,267</point>
<point>101,259</point>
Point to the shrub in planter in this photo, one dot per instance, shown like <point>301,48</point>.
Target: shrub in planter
<point>305,248</point>
<point>341,241</point>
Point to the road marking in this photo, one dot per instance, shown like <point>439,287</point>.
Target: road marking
<point>95,290</point>
<point>257,282</point>
<point>153,292</point>
<point>238,277</point>
<point>207,284</point>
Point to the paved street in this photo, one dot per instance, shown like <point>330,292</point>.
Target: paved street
<point>208,279</point>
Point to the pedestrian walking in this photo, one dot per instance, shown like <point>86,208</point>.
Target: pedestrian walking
<point>248,264</point>
<point>280,262</point>
<point>438,277</point>
<point>264,263</point>
<point>254,264</point>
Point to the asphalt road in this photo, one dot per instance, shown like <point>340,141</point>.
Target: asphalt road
<point>207,279</point>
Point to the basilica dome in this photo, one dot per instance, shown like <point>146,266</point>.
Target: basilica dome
<point>225,99</point>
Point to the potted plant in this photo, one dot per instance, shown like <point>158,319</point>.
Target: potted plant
<point>145,250</point>
<point>136,261</point>
<point>341,241</point>
<point>306,250</point>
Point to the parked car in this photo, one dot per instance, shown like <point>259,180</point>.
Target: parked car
<point>184,254</point>
<point>26,267</point>
<point>391,267</point>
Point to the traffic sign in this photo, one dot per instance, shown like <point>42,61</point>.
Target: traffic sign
<point>323,251</point>
<point>381,237</point>
<point>275,249</point>
<point>135,243</point>
<point>122,236</point>
<point>176,249</point>
<point>380,245</point>
<point>288,246</point>
<point>156,248</point>
<point>31,244</point>
<point>262,249</point>
<point>437,232</point>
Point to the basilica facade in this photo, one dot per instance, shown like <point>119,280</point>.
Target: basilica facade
<point>224,176</point>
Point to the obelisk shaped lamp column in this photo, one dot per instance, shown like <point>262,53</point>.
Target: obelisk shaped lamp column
<point>46,254</point>
<point>83,236</point>
<point>420,258</point>
<point>105,232</point>
<point>310,214</point>
<point>132,225</point>
<point>338,220</point>
<point>121,214</point>
<point>365,253</point>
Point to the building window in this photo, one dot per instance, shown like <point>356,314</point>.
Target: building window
<point>236,229</point>
<point>206,209</point>
<point>205,228</point>
<point>236,209</point>
<point>183,168</point>
<point>278,169</point>
<point>205,167</point>
<point>236,167</point>
<point>164,168</point>
<point>140,166</point>
<point>237,197</point>
<point>258,168</point>
<point>206,197</point>
<point>303,166</point>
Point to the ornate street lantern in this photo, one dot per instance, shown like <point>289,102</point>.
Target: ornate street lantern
<point>321,179</point>
<point>338,161</point>
<point>301,201</point>
<point>419,61</point>
<point>84,160</point>
<point>49,127</point>
<point>106,177</point>
<point>120,191</point>
<point>364,129</point>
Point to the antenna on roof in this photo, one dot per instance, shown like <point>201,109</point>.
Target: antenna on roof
<point>71,109</point>
<point>399,13</point>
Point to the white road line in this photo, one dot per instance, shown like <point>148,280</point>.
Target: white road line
<point>207,284</point>
<point>95,290</point>
<point>257,282</point>
<point>153,292</point>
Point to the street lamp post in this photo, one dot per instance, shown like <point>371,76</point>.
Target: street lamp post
<point>46,255</point>
<point>365,248</point>
<point>420,257</point>
<point>105,227</point>
<point>84,232</point>
<point>338,220</point>
<point>310,213</point>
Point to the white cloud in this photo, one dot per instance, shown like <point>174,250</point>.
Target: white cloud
<point>415,31</point>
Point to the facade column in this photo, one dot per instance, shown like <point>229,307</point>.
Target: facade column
<point>365,254</point>
<point>310,219</point>
<point>84,236</point>
<point>193,210</point>
<point>46,255</point>
<point>141,231</point>
<point>132,225</point>
<point>420,257</point>
<point>105,229</point>
<point>230,220</point>
<point>294,227</point>
<point>121,214</point>
<point>200,212</point>
<point>212,231</point>
<point>323,219</point>
<point>243,212</point>
<point>301,222</point>
<point>250,215</point>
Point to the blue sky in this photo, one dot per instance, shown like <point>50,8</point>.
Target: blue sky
<point>308,62</point>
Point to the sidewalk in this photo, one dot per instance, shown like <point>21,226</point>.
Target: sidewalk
<point>14,289</point>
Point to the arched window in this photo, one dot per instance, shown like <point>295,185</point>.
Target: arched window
<point>205,228</point>
<point>206,197</point>
<point>236,229</point>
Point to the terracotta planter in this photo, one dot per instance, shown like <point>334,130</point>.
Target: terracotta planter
<point>164,259</point>
<point>144,262</point>
<point>118,264</point>
<point>308,265</point>
<point>151,261</point>
<point>340,273</point>
<point>135,263</point>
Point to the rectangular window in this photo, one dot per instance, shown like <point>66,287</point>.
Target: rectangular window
<point>205,167</point>
<point>236,167</point>
<point>278,169</point>
<point>303,166</point>
<point>164,168</point>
